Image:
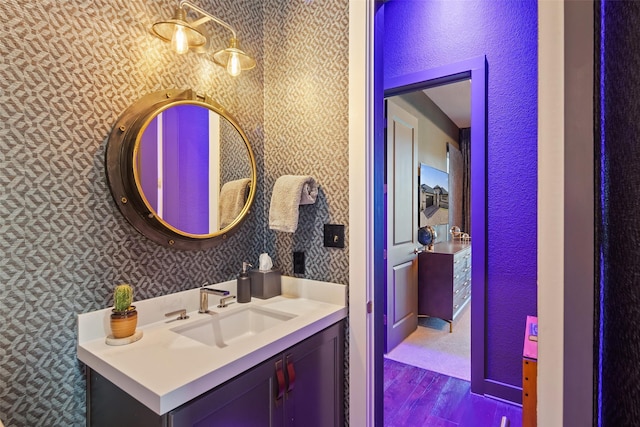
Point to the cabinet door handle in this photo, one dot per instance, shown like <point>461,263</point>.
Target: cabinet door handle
<point>291,374</point>
<point>280,378</point>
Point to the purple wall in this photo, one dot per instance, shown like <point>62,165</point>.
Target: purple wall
<point>421,35</point>
<point>186,156</point>
<point>193,152</point>
<point>147,163</point>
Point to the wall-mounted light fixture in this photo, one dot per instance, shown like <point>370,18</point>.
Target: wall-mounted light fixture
<point>184,35</point>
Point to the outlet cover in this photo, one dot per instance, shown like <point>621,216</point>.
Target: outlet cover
<point>334,236</point>
<point>298,263</point>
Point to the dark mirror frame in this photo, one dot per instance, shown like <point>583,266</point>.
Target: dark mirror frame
<point>119,160</point>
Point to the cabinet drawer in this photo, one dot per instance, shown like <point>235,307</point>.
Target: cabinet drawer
<point>461,279</point>
<point>461,287</point>
<point>460,299</point>
<point>461,264</point>
<point>462,257</point>
<point>461,272</point>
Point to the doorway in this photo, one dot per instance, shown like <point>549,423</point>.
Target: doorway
<point>474,69</point>
<point>428,312</point>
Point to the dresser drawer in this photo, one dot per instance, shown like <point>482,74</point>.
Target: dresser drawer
<point>461,279</point>
<point>463,257</point>
<point>460,288</point>
<point>461,261</point>
<point>461,298</point>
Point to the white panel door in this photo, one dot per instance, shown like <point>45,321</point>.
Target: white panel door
<point>402,225</point>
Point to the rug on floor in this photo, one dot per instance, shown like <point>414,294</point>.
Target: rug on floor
<point>432,347</point>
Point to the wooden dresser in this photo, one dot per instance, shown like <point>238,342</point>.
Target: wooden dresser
<point>444,280</point>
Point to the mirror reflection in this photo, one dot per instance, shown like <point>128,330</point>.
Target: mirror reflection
<point>192,169</point>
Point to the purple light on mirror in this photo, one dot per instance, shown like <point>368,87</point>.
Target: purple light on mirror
<point>178,171</point>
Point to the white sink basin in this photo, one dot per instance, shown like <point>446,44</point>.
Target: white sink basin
<point>250,321</point>
<point>222,329</point>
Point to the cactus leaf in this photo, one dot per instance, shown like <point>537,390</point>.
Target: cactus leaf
<point>122,297</point>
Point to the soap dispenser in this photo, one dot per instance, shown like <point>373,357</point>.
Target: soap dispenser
<point>244,284</point>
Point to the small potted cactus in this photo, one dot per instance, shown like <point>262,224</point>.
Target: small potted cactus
<point>124,318</point>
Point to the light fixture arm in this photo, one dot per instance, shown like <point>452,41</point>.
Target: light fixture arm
<point>206,17</point>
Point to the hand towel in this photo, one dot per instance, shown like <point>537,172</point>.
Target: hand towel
<point>233,196</point>
<point>289,192</point>
<point>309,193</point>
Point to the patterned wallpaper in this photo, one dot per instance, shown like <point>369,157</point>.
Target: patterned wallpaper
<point>306,61</point>
<point>68,68</point>
<point>306,126</point>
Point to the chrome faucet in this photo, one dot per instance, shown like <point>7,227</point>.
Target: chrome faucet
<point>224,301</point>
<point>204,297</point>
<point>182,314</point>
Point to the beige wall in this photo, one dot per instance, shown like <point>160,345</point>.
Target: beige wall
<point>435,129</point>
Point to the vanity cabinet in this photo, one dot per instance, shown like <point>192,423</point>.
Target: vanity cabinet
<point>302,386</point>
<point>444,280</point>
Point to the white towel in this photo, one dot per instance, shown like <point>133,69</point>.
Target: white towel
<point>289,192</point>
<point>233,196</point>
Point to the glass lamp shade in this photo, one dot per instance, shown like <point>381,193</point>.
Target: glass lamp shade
<point>234,59</point>
<point>180,41</point>
<point>179,33</point>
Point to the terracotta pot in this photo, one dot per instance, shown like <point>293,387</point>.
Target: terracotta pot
<point>123,323</point>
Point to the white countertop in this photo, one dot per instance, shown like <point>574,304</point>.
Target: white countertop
<point>165,369</point>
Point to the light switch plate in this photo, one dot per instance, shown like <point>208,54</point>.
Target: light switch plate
<point>334,236</point>
<point>298,263</point>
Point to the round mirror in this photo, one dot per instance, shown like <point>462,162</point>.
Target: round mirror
<point>180,169</point>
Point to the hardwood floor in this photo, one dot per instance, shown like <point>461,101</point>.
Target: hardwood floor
<point>416,397</point>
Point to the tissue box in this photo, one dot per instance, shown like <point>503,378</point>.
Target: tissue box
<point>265,284</point>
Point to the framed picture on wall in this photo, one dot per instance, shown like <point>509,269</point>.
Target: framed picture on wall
<point>433,196</point>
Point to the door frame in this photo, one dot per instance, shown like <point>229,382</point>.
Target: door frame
<point>475,69</point>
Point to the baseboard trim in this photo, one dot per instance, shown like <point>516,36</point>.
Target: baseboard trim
<point>502,391</point>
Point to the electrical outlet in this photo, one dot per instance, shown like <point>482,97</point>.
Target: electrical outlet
<point>298,263</point>
<point>333,236</point>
